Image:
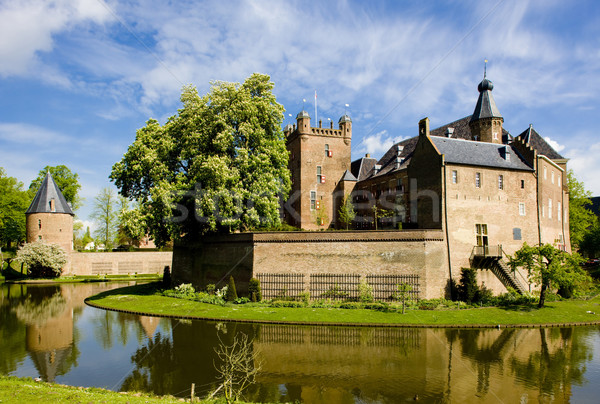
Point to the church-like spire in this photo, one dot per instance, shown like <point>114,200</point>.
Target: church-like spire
<point>49,199</point>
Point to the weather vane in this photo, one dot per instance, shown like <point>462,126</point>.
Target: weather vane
<point>484,68</point>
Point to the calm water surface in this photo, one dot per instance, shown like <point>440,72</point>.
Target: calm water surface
<point>48,331</point>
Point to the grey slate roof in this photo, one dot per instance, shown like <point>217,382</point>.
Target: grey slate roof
<point>348,176</point>
<point>539,144</point>
<point>482,154</point>
<point>362,167</point>
<point>486,106</point>
<point>48,191</point>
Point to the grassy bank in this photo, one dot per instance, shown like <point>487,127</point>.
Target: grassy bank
<point>16,390</point>
<point>146,299</point>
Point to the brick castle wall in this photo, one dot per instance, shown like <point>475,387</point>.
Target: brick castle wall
<point>303,259</point>
<point>118,263</point>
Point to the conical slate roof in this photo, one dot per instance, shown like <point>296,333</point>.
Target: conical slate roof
<point>486,106</point>
<point>48,192</point>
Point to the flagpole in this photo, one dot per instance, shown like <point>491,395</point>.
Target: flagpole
<point>316,118</point>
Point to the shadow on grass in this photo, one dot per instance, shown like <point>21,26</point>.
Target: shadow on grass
<point>145,289</point>
<point>10,274</point>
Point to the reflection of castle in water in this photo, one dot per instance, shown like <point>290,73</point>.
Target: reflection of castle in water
<point>396,364</point>
<point>49,313</point>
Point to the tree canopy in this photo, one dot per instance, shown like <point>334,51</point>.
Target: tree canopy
<point>581,218</point>
<point>105,214</point>
<point>219,165</point>
<point>67,181</point>
<point>14,201</point>
<point>548,266</point>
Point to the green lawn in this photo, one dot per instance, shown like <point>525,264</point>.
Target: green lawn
<point>143,299</point>
<point>16,390</point>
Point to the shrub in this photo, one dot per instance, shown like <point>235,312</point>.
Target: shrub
<point>365,292</point>
<point>334,292</point>
<point>43,260</point>
<point>379,306</point>
<point>210,288</point>
<point>351,305</point>
<point>304,297</point>
<point>185,290</point>
<point>467,288</point>
<point>254,290</point>
<point>166,281</point>
<point>231,294</point>
<point>241,300</point>
<point>286,303</point>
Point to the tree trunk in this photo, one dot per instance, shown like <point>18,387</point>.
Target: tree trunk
<point>543,295</point>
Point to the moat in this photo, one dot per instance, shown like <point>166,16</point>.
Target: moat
<point>48,331</point>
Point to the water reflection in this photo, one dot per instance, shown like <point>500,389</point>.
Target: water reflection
<point>49,329</point>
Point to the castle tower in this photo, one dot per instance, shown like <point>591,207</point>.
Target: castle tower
<point>319,157</point>
<point>486,122</point>
<point>49,217</point>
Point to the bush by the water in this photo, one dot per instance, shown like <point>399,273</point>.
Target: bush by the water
<point>231,294</point>
<point>43,260</point>
<point>254,290</point>
<point>166,281</point>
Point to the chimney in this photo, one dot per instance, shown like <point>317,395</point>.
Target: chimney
<point>367,156</point>
<point>424,127</point>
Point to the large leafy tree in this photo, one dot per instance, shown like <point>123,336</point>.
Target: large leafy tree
<point>581,218</point>
<point>14,201</point>
<point>105,214</point>
<point>67,181</point>
<point>219,165</point>
<point>548,267</point>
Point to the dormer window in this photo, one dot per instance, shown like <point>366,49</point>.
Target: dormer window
<point>52,205</point>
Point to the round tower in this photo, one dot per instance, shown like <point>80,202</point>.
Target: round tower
<point>49,217</point>
<point>345,124</point>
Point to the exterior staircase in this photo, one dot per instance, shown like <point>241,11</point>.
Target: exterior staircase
<point>491,257</point>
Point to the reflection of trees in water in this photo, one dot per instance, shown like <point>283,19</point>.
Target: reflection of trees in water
<point>170,366</point>
<point>156,367</point>
<point>40,305</point>
<point>12,337</point>
<point>559,363</point>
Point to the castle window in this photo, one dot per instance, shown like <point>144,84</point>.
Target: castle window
<point>552,176</point>
<point>549,208</point>
<point>454,176</point>
<point>40,238</point>
<point>477,180</point>
<point>482,234</point>
<point>320,176</point>
<point>39,223</point>
<point>328,152</point>
<point>522,184</point>
<point>545,174</point>
<point>500,182</point>
<point>521,209</point>
<point>313,200</point>
<point>558,213</point>
<point>495,135</point>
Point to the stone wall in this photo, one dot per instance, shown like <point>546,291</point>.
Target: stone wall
<point>305,261</point>
<point>118,263</point>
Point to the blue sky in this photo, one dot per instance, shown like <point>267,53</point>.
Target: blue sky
<point>78,77</point>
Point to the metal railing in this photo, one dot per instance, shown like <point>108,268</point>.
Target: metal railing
<point>480,251</point>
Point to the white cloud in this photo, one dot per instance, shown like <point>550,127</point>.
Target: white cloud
<point>376,144</point>
<point>586,166</point>
<point>28,26</point>
<point>22,133</point>
<point>555,145</point>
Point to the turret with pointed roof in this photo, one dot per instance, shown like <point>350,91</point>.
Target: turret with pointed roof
<point>49,217</point>
<point>486,121</point>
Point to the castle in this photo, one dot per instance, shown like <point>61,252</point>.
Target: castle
<point>486,190</point>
